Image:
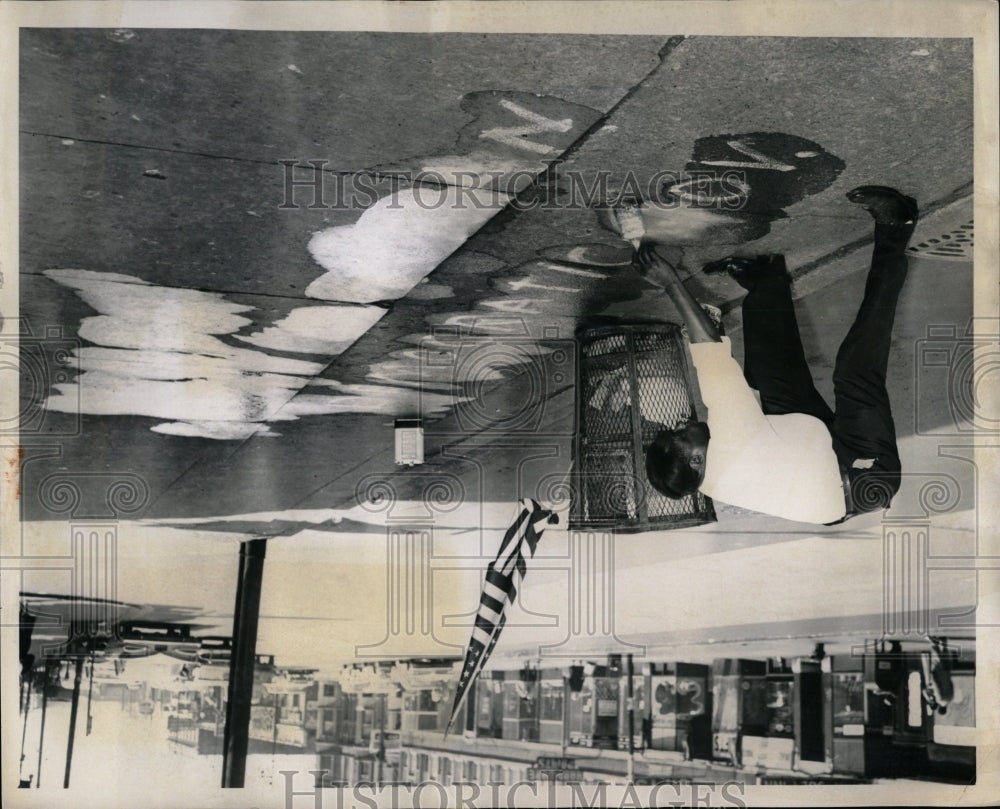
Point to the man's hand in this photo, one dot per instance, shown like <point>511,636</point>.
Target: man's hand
<point>652,266</point>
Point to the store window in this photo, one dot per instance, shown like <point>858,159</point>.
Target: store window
<point>552,701</point>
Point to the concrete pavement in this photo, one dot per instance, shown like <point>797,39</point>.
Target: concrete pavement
<point>170,175</point>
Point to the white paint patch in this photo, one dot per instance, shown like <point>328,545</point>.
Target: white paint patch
<point>158,353</point>
<point>530,283</point>
<point>583,255</point>
<point>920,52</point>
<point>452,367</point>
<point>484,170</point>
<point>684,225</point>
<point>516,137</point>
<point>136,314</point>
<point>412,373</point>
<point>431,292</point>
<point>522,306</point>
<point>220,430</point>
<point>397,242</point>
<point>381,399</point>
<point>177,366</point>
<point>227,395</point>
<point>325,330</point>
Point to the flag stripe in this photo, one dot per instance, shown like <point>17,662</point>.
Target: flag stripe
<point>494,605</point>
<point>499,580</point>
<point>492,615</point>
<point>512,531</point>
<point>497,594</point>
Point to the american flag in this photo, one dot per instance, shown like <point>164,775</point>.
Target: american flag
<point>503,575</point>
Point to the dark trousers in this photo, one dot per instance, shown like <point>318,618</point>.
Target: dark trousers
<point>775,365</point>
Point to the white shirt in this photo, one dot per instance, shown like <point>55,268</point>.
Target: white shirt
<point>780,465</point>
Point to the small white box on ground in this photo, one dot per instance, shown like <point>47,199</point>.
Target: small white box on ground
<point>409,442</point>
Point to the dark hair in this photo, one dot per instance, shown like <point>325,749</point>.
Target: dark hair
<point>668,465</point>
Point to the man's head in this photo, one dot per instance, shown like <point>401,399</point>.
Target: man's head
<point>675,461</point>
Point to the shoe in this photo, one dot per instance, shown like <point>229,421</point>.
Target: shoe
<point>745,270</point>
<point>886,205</point>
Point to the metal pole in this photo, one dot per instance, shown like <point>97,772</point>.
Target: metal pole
<point>565,713</point>
<point>41,731</point>
<point>383,707</point>
<point>246,615</point>
<point>26,628</point>
<point>90,694</point>
<point>274,722</point>
<point>631,722</point>
<point>24,728</point>
<point>74,708</point>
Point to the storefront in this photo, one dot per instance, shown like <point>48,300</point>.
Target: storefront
<point>768,731</point>
<point>639,709</point>
<point>846,685</point>
<point>592,713</point>
<point>679,702</point>
<point>520,707</point>
<point>489,705</point>
<point>552,706</point>
<point>738,697</point>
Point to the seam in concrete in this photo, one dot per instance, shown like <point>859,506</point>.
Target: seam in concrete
<point>668,48</point>
<point>166,150</point>
<point>213,291</point>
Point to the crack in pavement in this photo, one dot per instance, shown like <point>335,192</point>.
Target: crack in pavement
<point>167,150</point>
<point>215,291</point>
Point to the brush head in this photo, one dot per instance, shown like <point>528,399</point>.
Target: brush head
<point>630,224</point>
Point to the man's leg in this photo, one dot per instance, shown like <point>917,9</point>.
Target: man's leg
<point>774,360</point>
<point>863,431</point>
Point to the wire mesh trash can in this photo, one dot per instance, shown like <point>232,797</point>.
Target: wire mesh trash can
<point>634,382</point>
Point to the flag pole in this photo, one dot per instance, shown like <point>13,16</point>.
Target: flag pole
<point>631,721</point>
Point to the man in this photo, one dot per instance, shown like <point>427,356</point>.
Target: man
<point>791,455</point>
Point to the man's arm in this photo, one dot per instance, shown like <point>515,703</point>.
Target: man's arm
<point>699,325</point>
